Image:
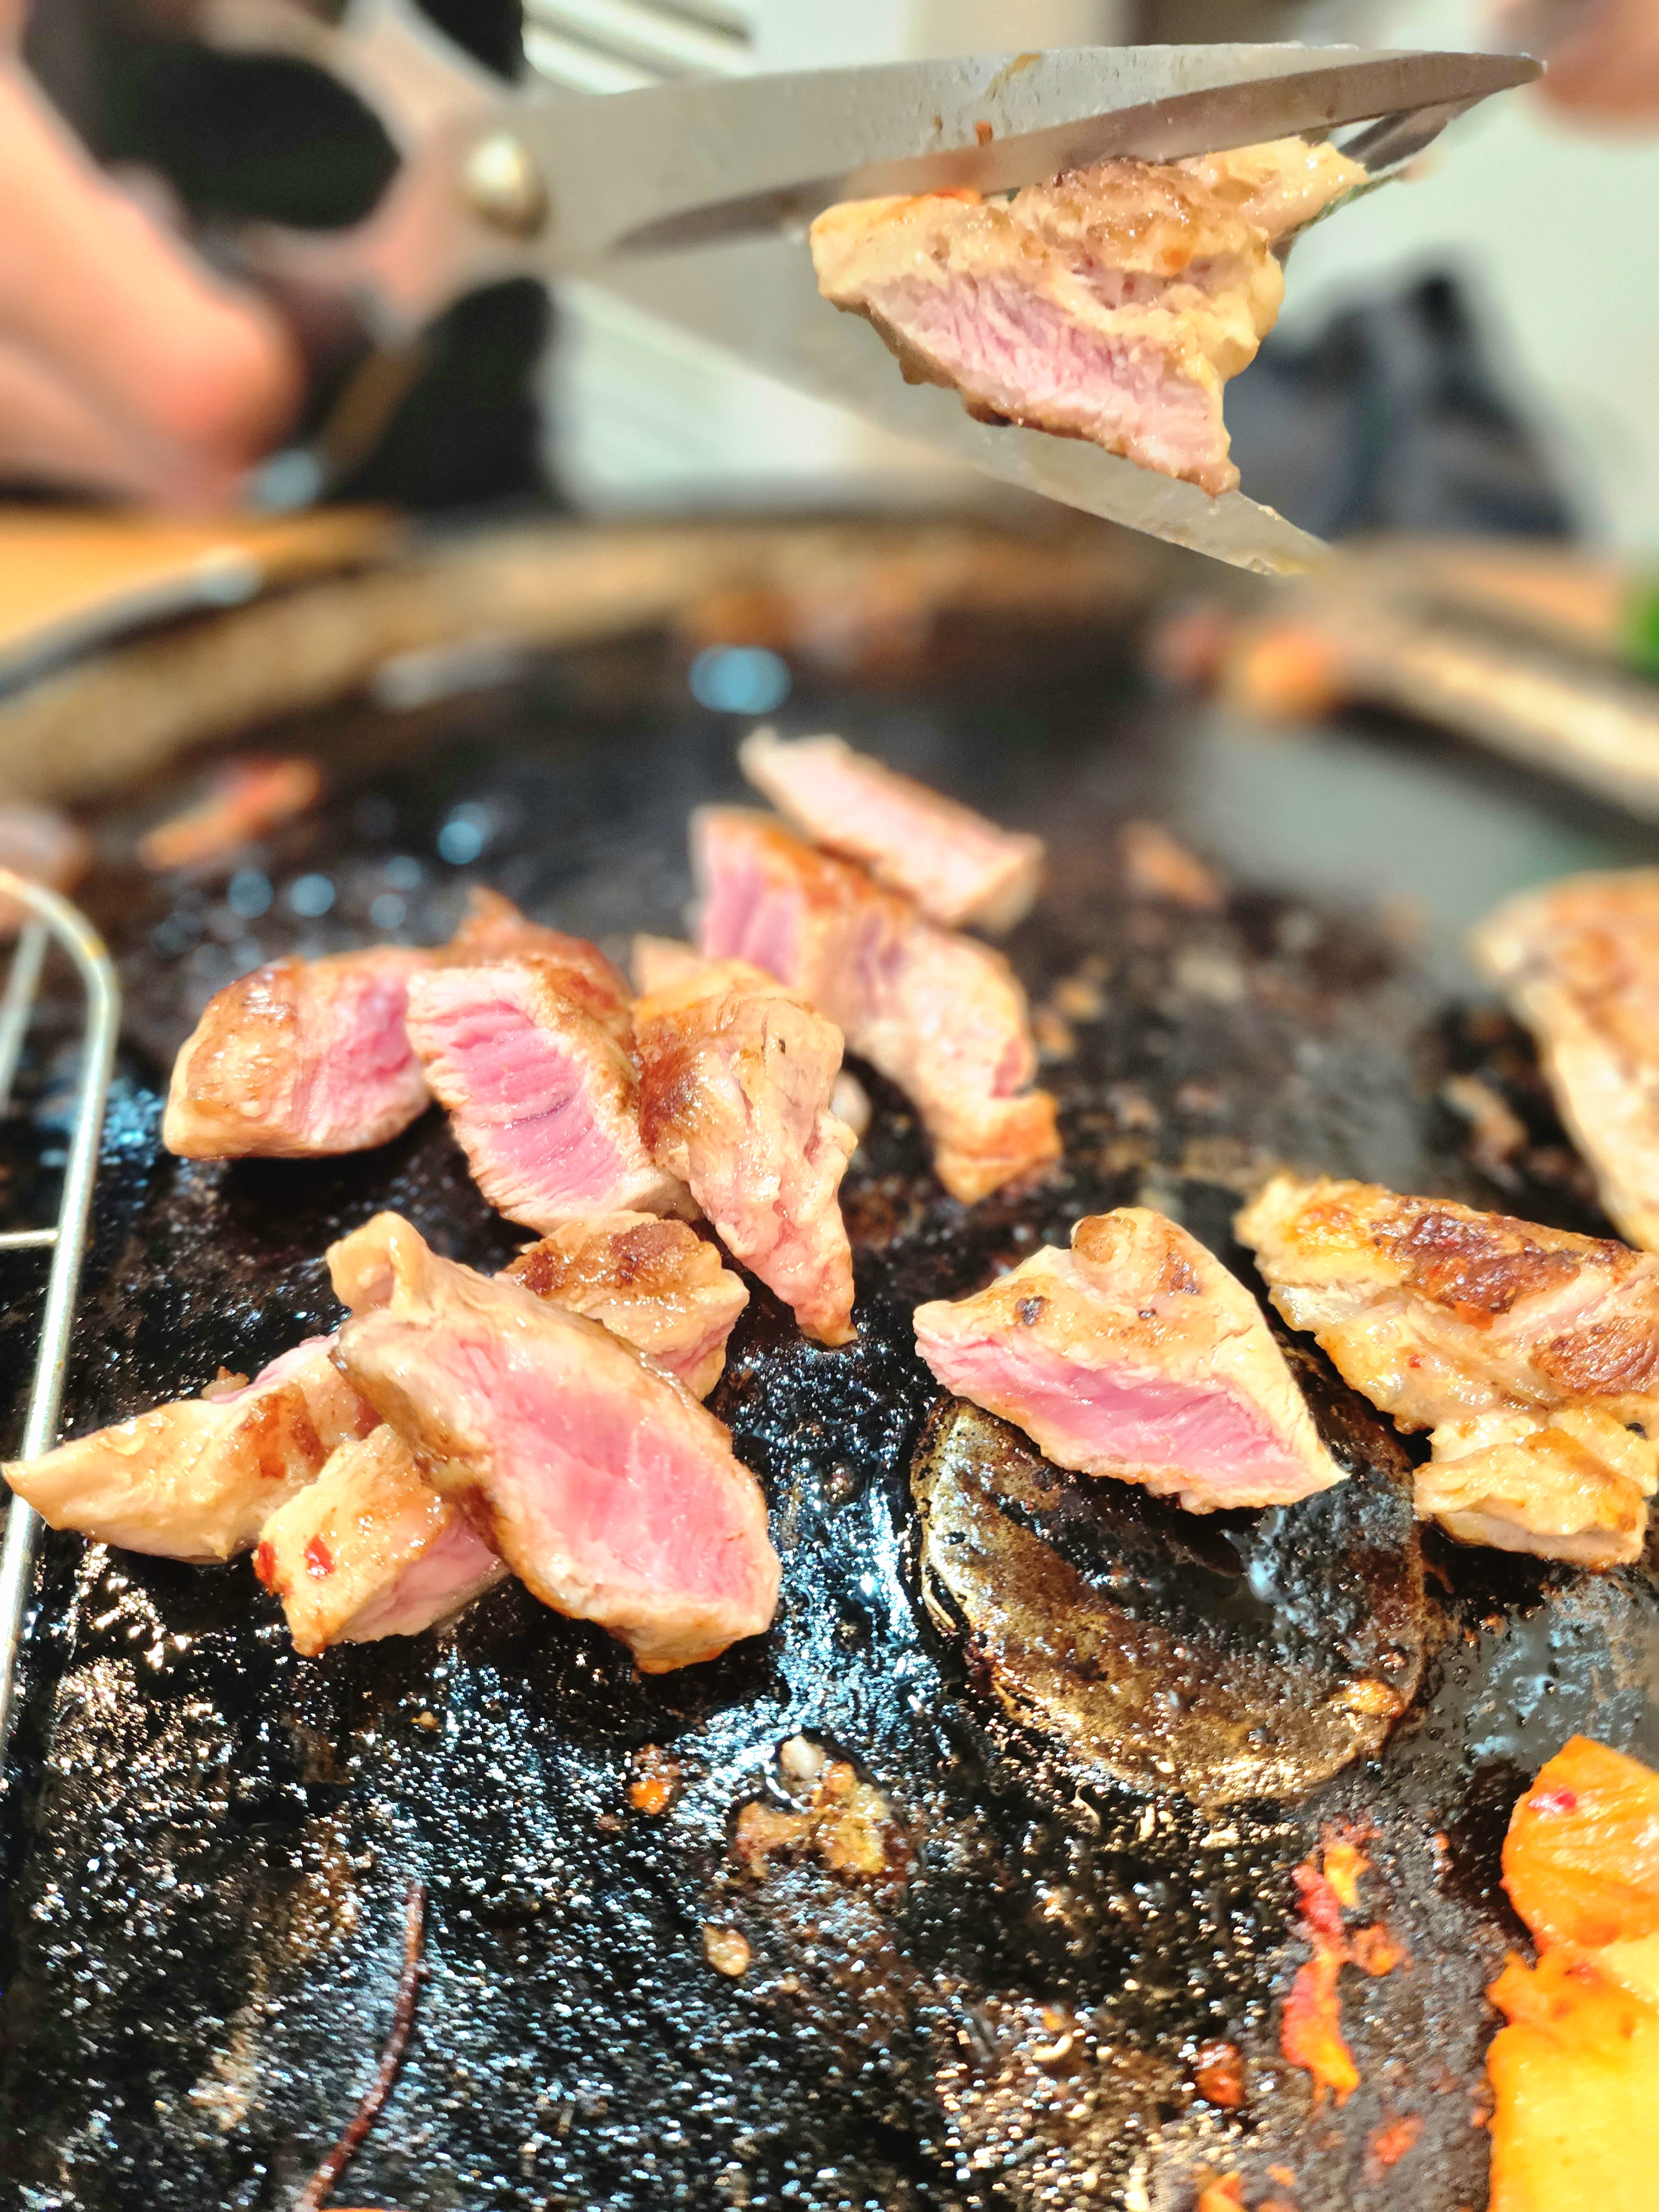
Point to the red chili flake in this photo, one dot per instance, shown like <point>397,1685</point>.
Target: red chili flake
<point>1342,1865</point>
<point>320,1560</point>
<point>1218,2075</point>
<point>1554,1800</point>
<point>1387,2145</point>
<point>1322,1910</point>
<point>1376,1950</point>
<point>1310,2025</point>
<point>264,1564</point>
<point>656,1780</point>
<point>1310,2029</point>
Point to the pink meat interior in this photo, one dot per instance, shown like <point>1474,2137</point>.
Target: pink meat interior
<point>294,1361</point>
<point>531,1091</point>
<point>601,1477</point>
<point>745,915</point>
<point>1017,348</point>
<point>445,1575</point>
<point>369,1055</point>
<point>1139,1419</point>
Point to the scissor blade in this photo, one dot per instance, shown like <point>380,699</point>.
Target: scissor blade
<point>678,164</point>
<point>756,297</point>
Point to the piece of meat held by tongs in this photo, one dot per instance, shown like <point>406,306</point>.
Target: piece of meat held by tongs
<point>497,182</point>
<point>1112,305</point>
<point>1531,1355</point>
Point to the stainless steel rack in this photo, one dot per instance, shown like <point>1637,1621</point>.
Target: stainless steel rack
<point>54,922</point>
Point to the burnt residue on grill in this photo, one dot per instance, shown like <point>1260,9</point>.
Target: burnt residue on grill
<point>210,1841</point>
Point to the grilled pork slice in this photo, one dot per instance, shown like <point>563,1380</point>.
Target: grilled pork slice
<point>602,1482</point>
<point>1137,1355</point>
<point>300,1058</point>
<point>1444,1317</point>
<point>657,1284</point>
<point>197,1479</point>
<point>736,1074</point>
<point>541,1095</point>
<point>1112,305</point>
<point>370,1550</point>
<point>493,929</point>
<point>959,868</point>
<point>1570,1484</point>
<point>940,1015</point>
<point>1579,963</point>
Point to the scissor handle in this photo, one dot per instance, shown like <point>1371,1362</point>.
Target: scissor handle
<point>454,217</point>
<point>404,71</point>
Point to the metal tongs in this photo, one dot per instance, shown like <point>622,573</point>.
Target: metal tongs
<point>689,200</point>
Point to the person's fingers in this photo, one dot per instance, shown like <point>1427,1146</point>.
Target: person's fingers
<point>1603,55</point>
<point>145,336</point>
<point>52,433</point>
<point>1610,65</point>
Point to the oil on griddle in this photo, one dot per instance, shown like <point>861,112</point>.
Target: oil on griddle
<point>1000,1996</point>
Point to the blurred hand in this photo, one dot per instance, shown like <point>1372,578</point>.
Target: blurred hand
<point>125,365</point>
<point>1603,55</point>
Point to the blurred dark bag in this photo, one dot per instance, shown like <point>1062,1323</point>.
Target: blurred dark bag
<point>1392,418</point>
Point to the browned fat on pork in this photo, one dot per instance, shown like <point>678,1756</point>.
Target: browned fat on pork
<point>493,929</point>
<point>1571,1483</point>
<point>1112,305</point>
<point>542,1095</point>
<point>941,1015</point>
<point>960,869</point>
<point>657,1284</point>
<point>1579,963</point>
<point>300,1058</point>
<point>736,1074</point>
<point>370,1549</point>
<point>606,1487</point>
<point>1135,1354</point>
<point>1527,1351</point>
<point>197,1479</point>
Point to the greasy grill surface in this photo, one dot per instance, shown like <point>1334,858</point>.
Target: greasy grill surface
<point>211,1840</point>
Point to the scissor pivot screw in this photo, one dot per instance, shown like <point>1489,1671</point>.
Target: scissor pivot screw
<point>503,186</point>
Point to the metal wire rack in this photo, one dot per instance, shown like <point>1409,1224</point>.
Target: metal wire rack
<point>55,922</point>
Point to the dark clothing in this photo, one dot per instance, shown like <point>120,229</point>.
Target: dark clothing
<point>1393,417</point>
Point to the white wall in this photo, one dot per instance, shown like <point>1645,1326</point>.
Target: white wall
<point>815,33</point>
